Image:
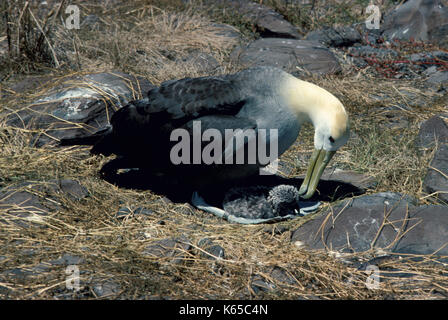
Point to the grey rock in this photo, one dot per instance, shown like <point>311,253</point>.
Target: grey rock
<point>417,19</point>
<point>203,62</point>
<point>291,55</point>
<point>259,284</point>
<point>125,212</point>
<point>67,259</point>
<point>336,37</point>
<point>371,52</point>
<point>268,22</point>
<point>105,288</point>
<point>282,276</point>
<point>354,226</point>
<point>432,131</point>
<point>173,249</point>
<point>439,77</point>
<point>27,203</point>
<point>436,180</point>
<point>214,250</point>
<point>71,188</point>
<point>88,101</point>
<point>227,30</point>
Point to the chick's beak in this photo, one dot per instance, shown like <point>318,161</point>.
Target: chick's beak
<point>319,160</point>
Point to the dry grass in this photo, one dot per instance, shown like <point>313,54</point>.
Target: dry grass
<point>139,38</point>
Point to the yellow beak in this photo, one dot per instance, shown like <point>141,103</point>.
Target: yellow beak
<point>318,162</point>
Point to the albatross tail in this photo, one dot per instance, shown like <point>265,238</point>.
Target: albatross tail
<point>86,140</point>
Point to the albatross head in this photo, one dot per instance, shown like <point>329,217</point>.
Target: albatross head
<point>331,125</point>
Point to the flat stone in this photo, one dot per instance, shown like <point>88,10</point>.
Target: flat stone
<point>79,106</point>
<point>417,19</point>
<point>125,212</point>
<point>174,249</point>
<point>267,21</point>
<point>294,56</point>
<point>432,131</point>
<point>336,37</point>
<point>105,288</point>
<point>437,78</point>
<point>28,203</point>
<point>67,259</point>
<point>354,226</point>
<point>201,61</point>
<point>215,251</point>
<point>436,180</point>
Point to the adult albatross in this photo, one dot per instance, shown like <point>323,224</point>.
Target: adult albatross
<point>141,133</point>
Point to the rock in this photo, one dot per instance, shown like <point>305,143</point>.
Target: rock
<point>67,259</point>
<point>282,276</point>
<point>268,22</point>
<point>27,203</point>
<point>201,61</point>
<point>71,188</point>
<point>372,52</point>
<point>335,37</point>
<point>173,249</point>
<point>436,180</point>
<point>438,35</point>
<point>125,212</point>
<point>432,131</point>
<point>226,30</point>
<point>288,54</point>
<point>417,19</point>
<point>410,229</point>
<point>438,78</point>
<point>215,251</point>
<point>259,284</point>
<point>79,106</point>
<point>105,288</point>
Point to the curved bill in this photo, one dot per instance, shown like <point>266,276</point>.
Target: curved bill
<point>318,162</point>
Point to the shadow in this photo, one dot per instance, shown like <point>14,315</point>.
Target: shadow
<point>180,192</point>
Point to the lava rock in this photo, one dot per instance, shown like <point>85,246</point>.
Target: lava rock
<point>432,131</point>
<point>295,56</point>
<point>417,19</point>
<point>436,180</point>
<point>203,62</point>
<point>173,249</point>
<point>125,212</point>
<point>215,251</point>
<point>267,21</point>
<point>336,37</point>
<point>79,106</point>
<point>438,78</point>
<point>27,203</point>
<point>354,226</point>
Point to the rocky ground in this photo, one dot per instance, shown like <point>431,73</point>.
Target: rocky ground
<point>384,197</point>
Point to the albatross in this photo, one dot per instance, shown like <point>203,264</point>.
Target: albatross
<point>140,134</point>
<point>258,204</point>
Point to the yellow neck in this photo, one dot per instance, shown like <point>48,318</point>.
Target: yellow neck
<point>313,103</point>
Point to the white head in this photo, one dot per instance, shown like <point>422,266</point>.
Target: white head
<point>329,118</point>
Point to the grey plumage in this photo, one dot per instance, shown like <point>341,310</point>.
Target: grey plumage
<point>260,202</point>
<point>140,131</point>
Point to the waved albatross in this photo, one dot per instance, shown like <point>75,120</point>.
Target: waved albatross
<point>140,133</point>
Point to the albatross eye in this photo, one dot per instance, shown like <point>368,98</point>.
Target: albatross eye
<point>331,139</point>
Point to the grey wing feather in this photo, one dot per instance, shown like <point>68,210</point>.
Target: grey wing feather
<point>195,97</point>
